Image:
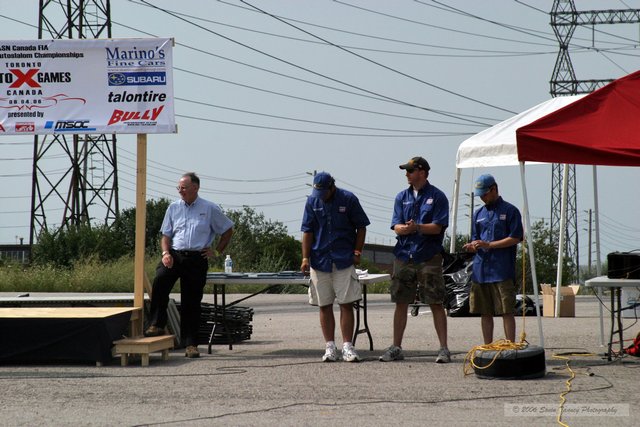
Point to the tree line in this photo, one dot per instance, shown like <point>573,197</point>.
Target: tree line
<point>258,244</point>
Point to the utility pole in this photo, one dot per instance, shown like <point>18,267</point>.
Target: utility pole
<point>88,188</point>
<point>471,215</point>
<point>589,256</point>
<point>564,20</point>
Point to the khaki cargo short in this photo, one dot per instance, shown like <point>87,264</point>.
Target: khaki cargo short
<point>493,298</point>
<point>341,286</point>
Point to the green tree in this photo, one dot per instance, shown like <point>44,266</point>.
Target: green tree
<point>66,246</point>
<point>460,241</point>
<point>69,245</point>
<point>259,244</point>
<point>545,246</point>
<point>125,226</point>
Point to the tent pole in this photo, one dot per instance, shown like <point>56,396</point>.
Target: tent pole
<point>597,209</point>
<point>454,211</point>
<point>598,264</point>
<point>563,227</point>
<point>532,260</point>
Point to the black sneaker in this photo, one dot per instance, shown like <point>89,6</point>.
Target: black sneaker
<point>192,352</point>
<point>154,331</point>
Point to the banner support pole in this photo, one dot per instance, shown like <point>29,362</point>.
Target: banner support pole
<point>141,215</point>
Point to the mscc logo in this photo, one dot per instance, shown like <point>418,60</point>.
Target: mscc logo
<point>69,125</point>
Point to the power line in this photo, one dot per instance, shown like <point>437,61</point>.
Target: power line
<point>307,69</point>
<point>252,182</point>
<point>299,120</point>
<point>368,135</point>
<point>449,8</point>
<point>480,52</point>
<point>460,116</point>
<point>430,25</point>
<point>379,64</point>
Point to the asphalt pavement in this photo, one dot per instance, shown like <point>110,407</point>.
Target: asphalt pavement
<point>277,378</point>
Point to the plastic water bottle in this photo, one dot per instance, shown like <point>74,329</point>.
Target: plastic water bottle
<point>228,264</point>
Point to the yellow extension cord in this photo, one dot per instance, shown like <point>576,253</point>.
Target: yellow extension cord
<point>501,345</point>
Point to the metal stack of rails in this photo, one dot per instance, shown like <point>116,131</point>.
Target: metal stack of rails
<point>237,319</point>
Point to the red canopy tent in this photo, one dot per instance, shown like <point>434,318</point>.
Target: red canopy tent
<point>603,128</point>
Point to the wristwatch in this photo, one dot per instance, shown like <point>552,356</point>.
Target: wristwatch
<point>165,253</point>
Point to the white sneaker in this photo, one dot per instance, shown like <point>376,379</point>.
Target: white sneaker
<point>392,353</point>
<point>444,356</point>
<point>330,354</point>
<point>349,354</point>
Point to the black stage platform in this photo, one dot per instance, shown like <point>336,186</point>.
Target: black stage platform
<point>45,334</point>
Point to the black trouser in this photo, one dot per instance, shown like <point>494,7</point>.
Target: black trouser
<point>192,272</point>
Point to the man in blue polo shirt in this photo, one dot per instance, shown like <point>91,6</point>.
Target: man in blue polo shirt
<point>420,217</point>
<point>334,228</point>
<point>496,232</point>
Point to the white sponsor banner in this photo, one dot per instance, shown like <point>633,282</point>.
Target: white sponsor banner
<point>86,86</point>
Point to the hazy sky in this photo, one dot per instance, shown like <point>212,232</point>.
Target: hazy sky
<point>354,87</point>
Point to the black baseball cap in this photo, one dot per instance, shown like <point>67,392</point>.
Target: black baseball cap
<point>416,163</point>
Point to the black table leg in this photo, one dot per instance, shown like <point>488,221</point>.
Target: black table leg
<point>366,330</point>
<point>619,318</point>
<point>611,333</point>
<point>216,310</point>
<point>215,314</point>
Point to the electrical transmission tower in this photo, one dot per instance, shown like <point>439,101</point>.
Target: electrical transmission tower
<point>564,20</point>
<point>87,189</point>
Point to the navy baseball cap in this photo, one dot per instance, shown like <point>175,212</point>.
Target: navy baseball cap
<point>483,184</point>
<point>322,183</point>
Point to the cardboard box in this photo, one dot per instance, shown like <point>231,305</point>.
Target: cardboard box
<point>630,298</point>
<point>567,300</point>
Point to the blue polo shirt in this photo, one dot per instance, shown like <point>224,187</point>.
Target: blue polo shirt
<point>333,224</point>
<point>490,223</point>
<point>429,207</point>
<point>193,227</point>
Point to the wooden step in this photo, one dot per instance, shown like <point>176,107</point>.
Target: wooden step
<point>143,346</point>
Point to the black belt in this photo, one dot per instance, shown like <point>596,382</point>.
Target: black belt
<point>188,253</point>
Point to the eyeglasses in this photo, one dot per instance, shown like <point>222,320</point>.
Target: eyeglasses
<point>411,170</point>
<point>179,188</point>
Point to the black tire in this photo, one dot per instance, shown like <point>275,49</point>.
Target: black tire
<point>527,363</point>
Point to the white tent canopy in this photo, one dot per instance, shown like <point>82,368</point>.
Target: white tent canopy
<point>496,146</point>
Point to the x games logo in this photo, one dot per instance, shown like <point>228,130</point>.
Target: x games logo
<point>24,78</point>
<point>33,78</point>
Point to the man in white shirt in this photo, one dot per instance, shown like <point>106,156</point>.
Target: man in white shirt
<point>189,228</point>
